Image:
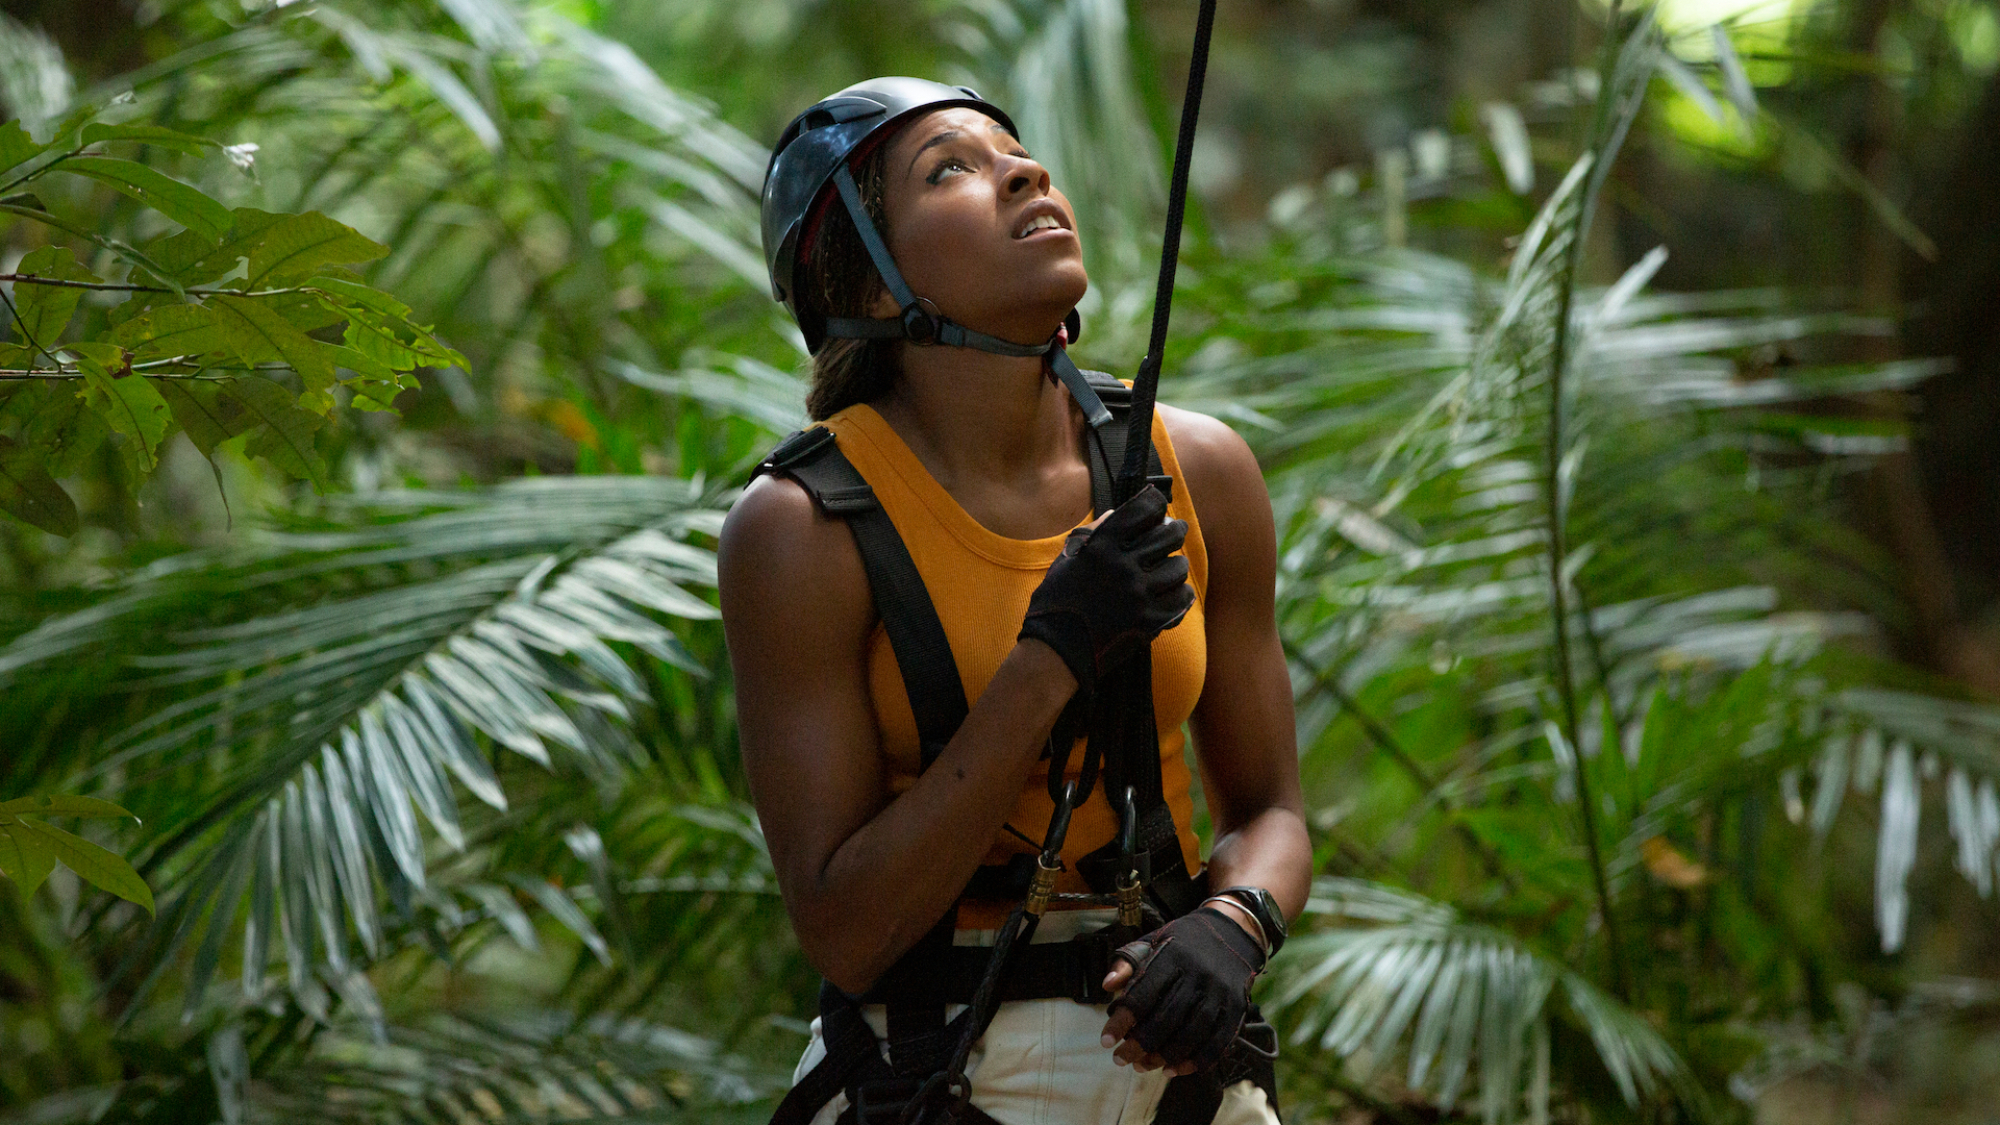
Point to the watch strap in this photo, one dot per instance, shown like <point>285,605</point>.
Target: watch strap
<point>1260,905</point>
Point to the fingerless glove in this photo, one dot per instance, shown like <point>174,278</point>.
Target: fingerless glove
<point>1190,986</point>
<point>1113,589</point>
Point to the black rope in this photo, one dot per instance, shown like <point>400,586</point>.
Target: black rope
<point>1146,387</point>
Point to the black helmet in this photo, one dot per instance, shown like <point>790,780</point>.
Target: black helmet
<point>814,154</point>
<point>820,142</point>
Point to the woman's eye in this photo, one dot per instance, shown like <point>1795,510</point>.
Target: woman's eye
<point>947,164</point>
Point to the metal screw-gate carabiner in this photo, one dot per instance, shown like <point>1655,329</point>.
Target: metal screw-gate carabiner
<point>1131,890</point>
<point>1049,864</point>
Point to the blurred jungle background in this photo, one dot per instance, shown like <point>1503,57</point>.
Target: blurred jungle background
<point>377,373</point>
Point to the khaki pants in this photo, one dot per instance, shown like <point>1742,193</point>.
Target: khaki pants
<point>1041,1063</point>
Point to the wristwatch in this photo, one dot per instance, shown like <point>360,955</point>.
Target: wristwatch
<point>1259,904</point>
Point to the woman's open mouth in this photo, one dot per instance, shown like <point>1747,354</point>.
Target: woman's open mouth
<point>1042,216</point>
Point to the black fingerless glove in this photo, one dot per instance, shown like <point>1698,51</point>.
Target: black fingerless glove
<point>1113,589</point>
<point>1190,986</point>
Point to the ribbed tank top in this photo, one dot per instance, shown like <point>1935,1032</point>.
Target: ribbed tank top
<point>980,583</point>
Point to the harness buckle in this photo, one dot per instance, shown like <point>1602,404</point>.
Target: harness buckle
<point>1092,961</point>
<point>797,449</point>
<point>884,1100</point>
<point>844,501</point>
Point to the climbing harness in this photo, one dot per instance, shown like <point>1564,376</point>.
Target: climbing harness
<point>1141,873</point>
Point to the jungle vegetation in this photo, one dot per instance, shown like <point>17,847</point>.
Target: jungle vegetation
<point>378,372</point>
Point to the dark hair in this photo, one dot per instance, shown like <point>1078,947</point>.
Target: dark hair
<point>841,281</point>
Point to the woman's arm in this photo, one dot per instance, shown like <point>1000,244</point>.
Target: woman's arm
<point>1245,735</point>
<point>1244,732</point>
<point>864,876</point>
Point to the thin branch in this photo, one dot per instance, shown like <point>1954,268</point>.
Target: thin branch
<point>200,373</point>
<point>33,173</point>
<point>1602,665</point>
<point>122,287</point>
<point>25,334</point>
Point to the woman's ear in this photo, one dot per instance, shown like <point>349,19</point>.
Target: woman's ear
<point>882,306</point>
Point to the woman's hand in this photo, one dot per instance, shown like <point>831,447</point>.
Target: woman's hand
<point>1116,586</point>
<point>1182,992</point>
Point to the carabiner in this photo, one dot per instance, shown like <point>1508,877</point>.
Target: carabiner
<point>1131,890</point>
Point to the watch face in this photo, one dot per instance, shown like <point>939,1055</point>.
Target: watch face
<point>1264,906</point>
<point>1273,916</point>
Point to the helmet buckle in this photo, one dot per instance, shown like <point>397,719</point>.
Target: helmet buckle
<point>920,324</point>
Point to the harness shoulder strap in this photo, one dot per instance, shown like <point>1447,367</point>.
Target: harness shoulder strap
<point>919,1037</point>
<point>923,653</point>
<point>1107,443</point>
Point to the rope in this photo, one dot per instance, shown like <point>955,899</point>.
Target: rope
<point>1146,387</point>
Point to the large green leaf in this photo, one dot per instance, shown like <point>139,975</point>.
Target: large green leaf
<point>30,494</point>
<point>24,857</point>
<point>104,869</point>
<point>180,202</point>
<point>191,258</point>
<point>379,327</point>
<point>16,146</point>
<point>45,310</point>
<point>126,401</point>
<point>212,413</point>
<point>67,805</point>
<point>205,417</point>
<point>375,384</point>
<point>260,333</point>
<point>176,329</point>
<point>301,245</point>
<point>157,135</point>
<point>204,414</point>
<point>48,418</point>
<point>284,432</point>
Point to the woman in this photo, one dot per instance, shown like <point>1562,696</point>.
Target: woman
<point>935,271</point>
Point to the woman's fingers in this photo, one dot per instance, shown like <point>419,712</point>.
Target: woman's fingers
<point>1117,1027</point>
<point>1119,976</point>
<point>1160,542</point>
<point>1138,1058</point>
<point>1170,573</point>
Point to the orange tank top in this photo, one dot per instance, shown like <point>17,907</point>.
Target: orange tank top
<point>980,583</point>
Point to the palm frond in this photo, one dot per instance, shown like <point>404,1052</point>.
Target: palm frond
<point>1394,973</point>
<point>532,1067</point>
<point>344,718</point>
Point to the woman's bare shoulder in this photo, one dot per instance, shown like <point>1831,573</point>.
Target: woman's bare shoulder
<point>780,554</point>
<point>1223,477</point>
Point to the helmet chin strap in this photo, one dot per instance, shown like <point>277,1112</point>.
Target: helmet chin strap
<point>921,323</point>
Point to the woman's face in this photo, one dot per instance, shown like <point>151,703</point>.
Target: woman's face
<point>976,227</point>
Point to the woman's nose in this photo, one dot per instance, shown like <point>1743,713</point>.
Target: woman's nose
<point>1025,176</point>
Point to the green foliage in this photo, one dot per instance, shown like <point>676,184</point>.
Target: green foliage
<point>190,348</point>
<point>439,781</point>
<point>30,849</point>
